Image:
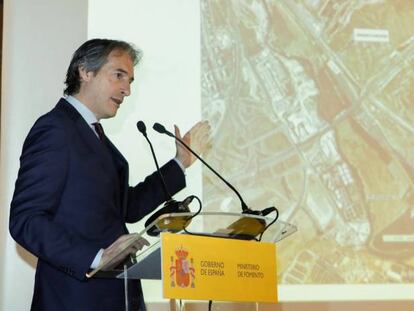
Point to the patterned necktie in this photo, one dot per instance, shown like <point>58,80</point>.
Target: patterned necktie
<point>99,130</point>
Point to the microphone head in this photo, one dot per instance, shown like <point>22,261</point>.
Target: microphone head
<point>141,127</point>
<point>159,128</point>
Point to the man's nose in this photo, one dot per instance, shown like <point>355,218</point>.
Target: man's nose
<point>126,89</point>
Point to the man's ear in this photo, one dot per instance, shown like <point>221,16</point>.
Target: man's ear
<point>84,75</point>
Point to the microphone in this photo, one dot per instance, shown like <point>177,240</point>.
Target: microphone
<point>161,129</point>
<point>245,209</point>
<point>170,206</point>
<point>143,130</point>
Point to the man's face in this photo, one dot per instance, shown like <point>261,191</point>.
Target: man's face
<point>104,91</point>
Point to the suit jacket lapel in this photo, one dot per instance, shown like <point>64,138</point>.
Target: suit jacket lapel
<point>86,133</point>
<point>109,155</point>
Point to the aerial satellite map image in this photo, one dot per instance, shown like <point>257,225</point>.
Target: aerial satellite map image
<point>311,103</point>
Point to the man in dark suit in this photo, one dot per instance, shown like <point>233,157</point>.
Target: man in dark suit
<point>72,198</point>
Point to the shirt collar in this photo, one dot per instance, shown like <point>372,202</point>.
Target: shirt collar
<point>84,111</point>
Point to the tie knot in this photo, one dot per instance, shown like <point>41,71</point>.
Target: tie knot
<point>99,130</point>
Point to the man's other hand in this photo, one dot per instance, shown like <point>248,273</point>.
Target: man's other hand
<point>125,245</point>
<point>198,138</point>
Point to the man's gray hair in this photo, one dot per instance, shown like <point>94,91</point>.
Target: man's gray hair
<point>92,55</point>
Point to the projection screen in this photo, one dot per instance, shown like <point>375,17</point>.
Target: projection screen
<point>311,105</point>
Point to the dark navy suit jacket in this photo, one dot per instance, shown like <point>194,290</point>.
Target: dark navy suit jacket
<point>71,199</point>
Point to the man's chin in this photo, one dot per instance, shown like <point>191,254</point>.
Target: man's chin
<point>110,115</point>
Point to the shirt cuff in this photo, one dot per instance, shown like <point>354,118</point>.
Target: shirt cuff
<point>97,259</point>
<point>180,164</point>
